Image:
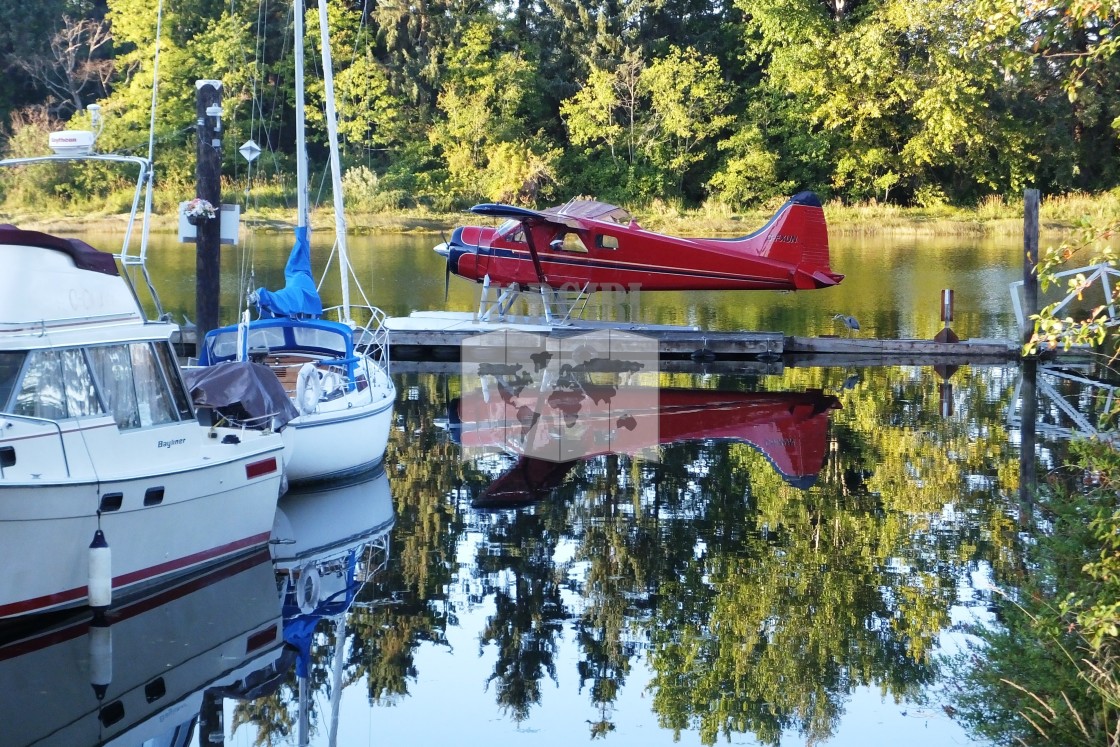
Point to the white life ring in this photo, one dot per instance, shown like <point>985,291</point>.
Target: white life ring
<point>307,589</point>
<point>309,389</point>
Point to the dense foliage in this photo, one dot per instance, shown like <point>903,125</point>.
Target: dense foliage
<point>443,103</point>
<point>1048,674</point>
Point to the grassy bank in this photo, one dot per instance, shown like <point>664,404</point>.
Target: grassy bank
<point>995,216</point>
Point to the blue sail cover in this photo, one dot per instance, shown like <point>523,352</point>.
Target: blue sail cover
<point>298,297</point>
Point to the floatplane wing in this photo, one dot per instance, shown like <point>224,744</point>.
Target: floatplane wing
<point>586,244</point>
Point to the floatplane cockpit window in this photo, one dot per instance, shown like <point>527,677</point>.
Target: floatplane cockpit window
<point>569,242</point>
<point>512,230</point>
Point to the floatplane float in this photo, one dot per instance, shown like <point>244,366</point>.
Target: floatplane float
<point>568,252</point>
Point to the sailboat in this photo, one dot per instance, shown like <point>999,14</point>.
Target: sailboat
<point>333,362</point>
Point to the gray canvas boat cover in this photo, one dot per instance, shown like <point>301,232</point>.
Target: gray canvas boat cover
<point>243,392</point>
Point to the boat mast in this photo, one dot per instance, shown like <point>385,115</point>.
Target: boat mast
<point>336,167</point>
<point>302,210</point>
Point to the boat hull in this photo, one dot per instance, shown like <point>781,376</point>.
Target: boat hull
<point>337,443</point>
<point>163,526</point>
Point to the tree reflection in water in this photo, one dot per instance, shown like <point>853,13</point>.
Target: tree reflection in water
<point>756,606</point>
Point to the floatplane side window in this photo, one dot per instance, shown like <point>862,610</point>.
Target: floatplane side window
<point>56,385</point>
<point>606,242</point>
<point>132,385</point>
<point>569,242</point>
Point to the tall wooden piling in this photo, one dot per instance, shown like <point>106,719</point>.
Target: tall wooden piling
<point>208,172</point>
<point>1030,260</point>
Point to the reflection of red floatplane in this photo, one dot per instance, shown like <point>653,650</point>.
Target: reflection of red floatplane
<point>788,428</point>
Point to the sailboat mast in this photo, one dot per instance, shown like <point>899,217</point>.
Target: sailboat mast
<point>336,167</point>
<point>302,209</point>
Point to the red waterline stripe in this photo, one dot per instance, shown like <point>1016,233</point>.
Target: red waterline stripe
<point>48,601</point>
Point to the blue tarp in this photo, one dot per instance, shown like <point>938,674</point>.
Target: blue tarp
<point>298,297</point>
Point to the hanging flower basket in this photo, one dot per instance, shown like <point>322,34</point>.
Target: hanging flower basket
<point>198,210</point>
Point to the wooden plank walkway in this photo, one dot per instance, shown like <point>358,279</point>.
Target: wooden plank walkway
<point>437,336</point>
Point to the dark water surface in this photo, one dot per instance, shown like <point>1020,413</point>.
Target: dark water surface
<point>793,580</point>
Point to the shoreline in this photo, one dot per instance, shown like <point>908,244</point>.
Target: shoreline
<point>679,224</point>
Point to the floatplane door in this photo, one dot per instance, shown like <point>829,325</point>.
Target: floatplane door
<point>482,256</point>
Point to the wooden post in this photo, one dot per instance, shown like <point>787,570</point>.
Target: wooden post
<point>208,173</point>
<point>1030,259</point>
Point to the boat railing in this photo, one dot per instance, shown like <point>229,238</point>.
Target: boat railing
<point>36,421</point>
<point>40,327</point>
<point>253,423</point>
<point>370,334</point>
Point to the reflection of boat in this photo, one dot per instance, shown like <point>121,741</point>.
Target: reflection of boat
<point>98,435</point>
<point>319,531</point>
<point>336,371</point>
<point>788,428</point>
<point>148,671</point>
<point>326,541</point>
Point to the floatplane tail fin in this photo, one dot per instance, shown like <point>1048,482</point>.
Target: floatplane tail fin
<point>797,235</point>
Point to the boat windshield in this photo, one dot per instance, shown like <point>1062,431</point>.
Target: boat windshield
<point>286,336</point>
<point>55,384</point>
<point>130,381</point>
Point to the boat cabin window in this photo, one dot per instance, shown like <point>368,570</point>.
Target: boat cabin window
<point>322,340</point>
<point>11,362</point>
<point>170,368</point>
<point>604,241</point>
<point>512,230</point>
<point>56,385</point>
<point>133,385</point>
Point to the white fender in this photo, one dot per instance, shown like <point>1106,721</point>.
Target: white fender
<point>307,589</point>
<point>309,389</point>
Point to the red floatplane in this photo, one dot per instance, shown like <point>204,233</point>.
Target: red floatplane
<point>586,245</point>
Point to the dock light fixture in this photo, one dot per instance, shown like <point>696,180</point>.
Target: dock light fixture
<point>215,111</point>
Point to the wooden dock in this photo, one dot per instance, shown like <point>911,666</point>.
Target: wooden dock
<point>437,336</point>
<point>434,338</point>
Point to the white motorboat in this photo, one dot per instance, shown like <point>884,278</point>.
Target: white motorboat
<point>99,441</point>
<point>333,362</point>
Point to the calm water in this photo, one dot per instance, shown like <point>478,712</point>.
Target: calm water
<point>797,589</point>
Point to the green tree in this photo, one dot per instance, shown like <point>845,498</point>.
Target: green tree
<point>688,99</point>
<point>487,107</point>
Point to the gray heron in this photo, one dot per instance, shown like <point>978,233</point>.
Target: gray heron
<point>849,321</point>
